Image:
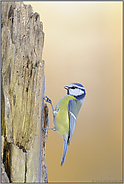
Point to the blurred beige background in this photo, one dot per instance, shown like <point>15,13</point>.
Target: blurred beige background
<point>83,43</point>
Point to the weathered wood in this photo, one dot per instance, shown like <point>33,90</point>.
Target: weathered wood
<point>4,177</point>
<point>22,91</point>
<point>44,139</point>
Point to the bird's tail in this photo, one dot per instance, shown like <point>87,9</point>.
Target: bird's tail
<point>64,151</point>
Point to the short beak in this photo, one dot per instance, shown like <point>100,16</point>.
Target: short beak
<point>66,87</point>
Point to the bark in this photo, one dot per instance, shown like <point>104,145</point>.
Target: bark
<point>22,91</point>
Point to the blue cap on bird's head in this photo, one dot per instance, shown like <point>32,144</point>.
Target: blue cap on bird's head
<point>76,89</point>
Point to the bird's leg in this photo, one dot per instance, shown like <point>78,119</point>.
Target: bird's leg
<point>49,101</point>
<point>49,129</point>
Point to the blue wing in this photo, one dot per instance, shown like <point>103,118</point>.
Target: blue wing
<point>72,120</point>
<point>64,151</point>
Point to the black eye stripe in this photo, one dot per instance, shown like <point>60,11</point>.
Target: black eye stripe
<point>74,87</point>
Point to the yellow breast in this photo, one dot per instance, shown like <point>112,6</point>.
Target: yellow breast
<point>62,119</point>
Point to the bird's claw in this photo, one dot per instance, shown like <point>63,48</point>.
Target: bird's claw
<point>47,99</point>
<point>43,129</point>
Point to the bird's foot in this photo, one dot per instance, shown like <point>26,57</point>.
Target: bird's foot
<point>47,99</point>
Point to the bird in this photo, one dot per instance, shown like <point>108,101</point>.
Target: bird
<point>66,112</point>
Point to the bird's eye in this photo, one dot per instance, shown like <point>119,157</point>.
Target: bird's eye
<point>73,87</point>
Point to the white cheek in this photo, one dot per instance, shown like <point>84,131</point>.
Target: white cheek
<point>76,92</point>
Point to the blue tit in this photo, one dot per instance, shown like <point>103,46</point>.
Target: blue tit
<point>66,112</point>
